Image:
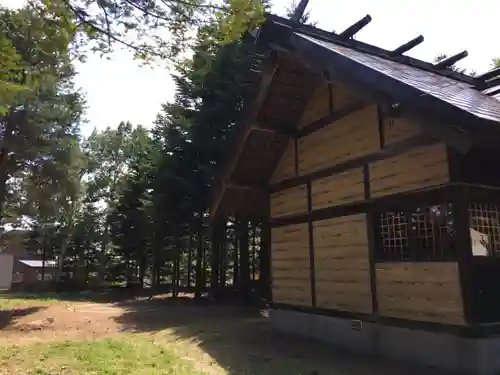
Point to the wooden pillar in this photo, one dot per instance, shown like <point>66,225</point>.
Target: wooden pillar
<point>200,280</point>
<point>265,260</point>
<point>464,249</point>
<point>244,259</point>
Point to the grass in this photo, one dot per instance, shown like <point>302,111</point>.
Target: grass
<point>125,354</point>
<point>8,301</point>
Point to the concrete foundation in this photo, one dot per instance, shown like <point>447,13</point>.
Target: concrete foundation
<point>478,356</point>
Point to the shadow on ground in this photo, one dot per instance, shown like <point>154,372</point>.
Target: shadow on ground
<point>9,316</point>
<point>242,342</point>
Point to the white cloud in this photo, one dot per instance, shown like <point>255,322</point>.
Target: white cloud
<point>120,89</point>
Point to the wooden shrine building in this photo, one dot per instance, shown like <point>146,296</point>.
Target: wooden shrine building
<point>378,178</point>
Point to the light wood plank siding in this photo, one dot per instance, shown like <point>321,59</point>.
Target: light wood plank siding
<point>418,168</point>
<point>288,202</point>
<point>399,129</point>
<point>290,265</point>
<point>350,137</point>
<point>420,291</point>
<point>342,264</point>
<point>341,188</point>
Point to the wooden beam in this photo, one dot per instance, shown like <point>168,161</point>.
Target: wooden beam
<point>335,116</point>
<point>269,125</point>
<point>449,61</point>
<point>489,74</point>
<point>234,184</point>
<point>407,46</point>
<point>299,11</point>
<point>464,248</point>
<point>492,83</point>
<point>311,248</point>
<point>269,70</point>
<point>494,92</point>
<point>372,243</point>
<point>390,150</point>
<point>452,135</point>
<point>353,29</point>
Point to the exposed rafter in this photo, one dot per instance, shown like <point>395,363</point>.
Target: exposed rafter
<point>492,83</point>
<point>489,74</point>
<point>354,28</point>
<point>407,46</point>
<point>449,61</point>
<point>494,92</point>
<point>299,11</point>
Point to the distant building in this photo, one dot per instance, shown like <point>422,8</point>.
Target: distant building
<point>27,266</point>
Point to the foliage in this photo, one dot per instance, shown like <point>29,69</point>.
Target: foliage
<point>154,28</point>
<point>39,130</point>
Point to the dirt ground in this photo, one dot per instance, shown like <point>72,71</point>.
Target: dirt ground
<point>216,339</point>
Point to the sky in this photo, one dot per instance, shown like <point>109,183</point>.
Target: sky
<point>119,89</point>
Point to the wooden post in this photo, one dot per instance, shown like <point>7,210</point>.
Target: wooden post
<point>265,260</point>
<point>464,248</point>
<point>312,266</point>
<point>244,261</point>
<point>199,282</point>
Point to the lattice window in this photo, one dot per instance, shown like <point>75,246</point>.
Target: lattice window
<point>393,236</point>
<point>434,232</point>
<point>420,234</point>
<point>484,221</point>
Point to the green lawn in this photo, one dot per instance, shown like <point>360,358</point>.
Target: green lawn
<point>126,354</point>
<point>9,301</point>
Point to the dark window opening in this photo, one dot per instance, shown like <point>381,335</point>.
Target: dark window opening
<point>419,234</point>
<point>479,166</point>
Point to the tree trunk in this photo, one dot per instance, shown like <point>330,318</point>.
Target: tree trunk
<point>176,264</point>
<point>103,255</point>
<point>254,230</point>
<point>190,261</point>
<point>8,135</point>
<point>215,263</point>
<point>223,255</point>
<point>236,262</point>
<point>44,253</point>
<point>142,269</point>
<point>154,269</point>
<point>199,282</point>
